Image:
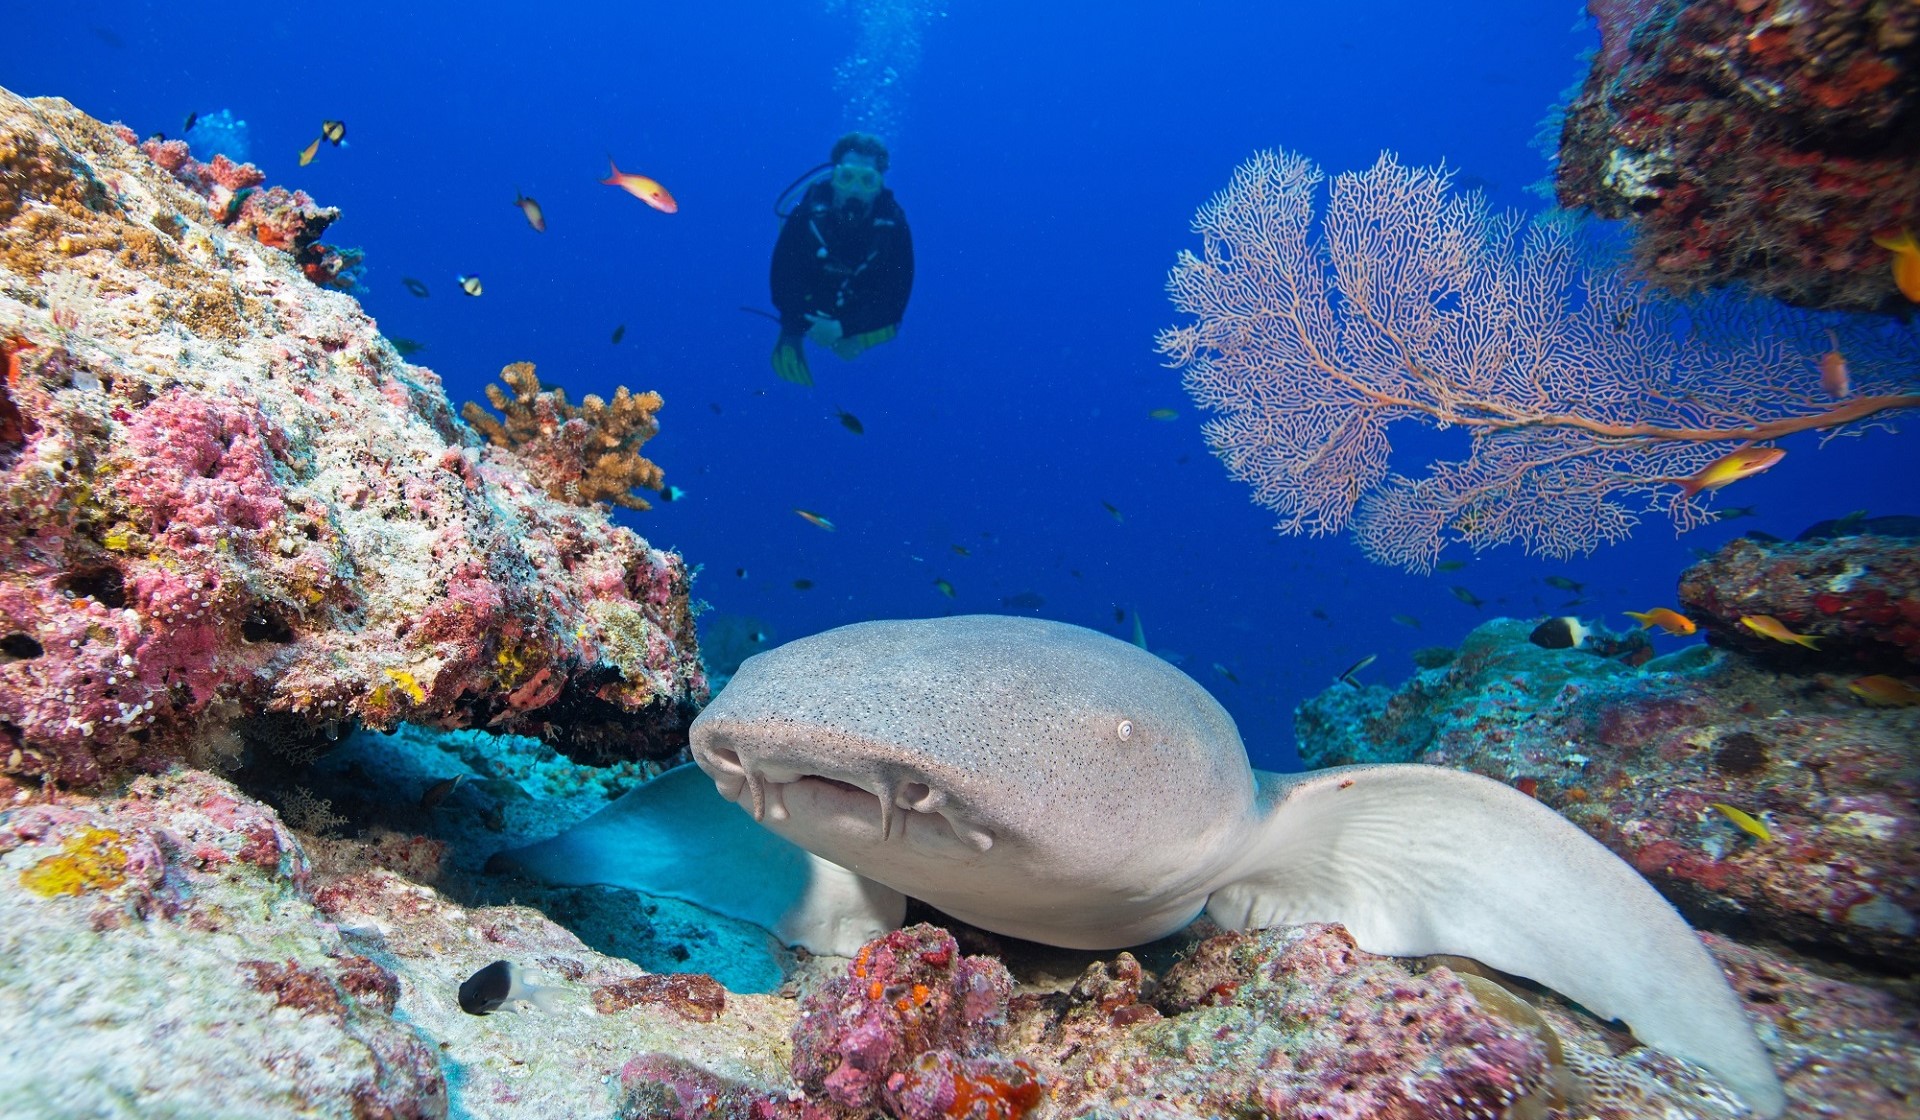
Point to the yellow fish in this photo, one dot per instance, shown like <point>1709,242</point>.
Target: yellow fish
<point>945,587</point>
<point>1673,622</point>
<point>1747,822</point>
<point>469,284</point>
<point>312,150</point>
<point>333,132</point>
<point>1769,626</point>
<point>1906,261</point>
<point>1883,691</point>
<point>1732,467</point>
<point>816,519</point>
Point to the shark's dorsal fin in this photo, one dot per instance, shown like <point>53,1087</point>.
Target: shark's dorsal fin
<point>676,836</point>
<point>1416,860</point>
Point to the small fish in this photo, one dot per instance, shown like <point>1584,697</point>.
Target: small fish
<point>1119,614</point>
<point>1163,414</point>
<point>469,284</point>
<point>333,132</point>
<point>1834,378</point>
<point>1732,512</point>
<point>1450,565</point>
<point>192,119</point>
<point>642,188</point>
<point>440,791</point>
<point>1883,691</point>
<point>815,519</point>
<point>1467,597</point>
<point>1731,467</point>
<point>1565,584</point>
<point>671,493</point>
<point>1225,672</point>
<point>407,347</point>
<point>1769,626</point>
<point>311,150</point>
<point>1407,620</point>
<point>740,573</point>
<point>944,587</point>
<point>1320,614</point>
<point>620,332</point>
<point>1906,261</point>
<point>414,286</point>
<point>1565,632</point>
<point>1113,511</point>
<point>1747,822</point>
<point>759,637</point>
<point>961,550</point>
<point>501,983</point>
<point>1673,622</point>
<point>1347,677</point>
<point>850,422</point>
<point>803,585</point>
<point>535,216</point>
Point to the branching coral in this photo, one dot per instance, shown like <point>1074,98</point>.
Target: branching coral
<point>584,454</point>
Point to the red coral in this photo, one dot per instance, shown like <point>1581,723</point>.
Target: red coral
<point>690,995</point>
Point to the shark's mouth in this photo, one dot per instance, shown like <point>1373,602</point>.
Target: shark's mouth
<point>764,789</point>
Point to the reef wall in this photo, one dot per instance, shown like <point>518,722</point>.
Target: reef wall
<point>228,507</point>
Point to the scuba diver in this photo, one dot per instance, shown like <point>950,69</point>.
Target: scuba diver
<point>843,266</point>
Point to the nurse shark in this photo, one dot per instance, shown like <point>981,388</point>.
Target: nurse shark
<point>1049,782</point>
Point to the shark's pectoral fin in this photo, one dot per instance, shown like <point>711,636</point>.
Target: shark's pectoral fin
<point>1416,860</point>
<point>676,836</point>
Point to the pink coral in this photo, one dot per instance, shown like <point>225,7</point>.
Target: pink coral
<point>911,1026</point>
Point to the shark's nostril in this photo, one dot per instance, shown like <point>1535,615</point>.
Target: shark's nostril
<point>726,758</point>
<point>914,795</point>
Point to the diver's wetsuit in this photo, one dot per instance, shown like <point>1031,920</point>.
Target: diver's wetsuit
<point>857,269</point>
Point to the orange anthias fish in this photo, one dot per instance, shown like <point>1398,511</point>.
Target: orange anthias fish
<point>1769,626</point>
<point>1883,691</point>
<point>1906,261</point>
<point>1732,467</point>
<point>642,188</point>
<point>1833,371</point>
<point>11,346</point>
<point>1673,622</point>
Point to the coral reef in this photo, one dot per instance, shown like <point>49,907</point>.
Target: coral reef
<point>1640,757</point>
<point>1585,403</point>
<point>909,1027</point>
<point>222,493</point>
<point>1857,597</point>
<point>307,976</point>
<point>584,454</point>
<point>274,216</point>
<point>1764,141</point>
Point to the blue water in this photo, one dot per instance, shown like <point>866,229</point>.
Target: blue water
<point>1049,163</point>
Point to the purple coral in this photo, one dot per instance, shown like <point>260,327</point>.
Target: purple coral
<point>910,1027</point>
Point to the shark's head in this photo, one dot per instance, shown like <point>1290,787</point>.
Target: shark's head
<point>1014,772</point>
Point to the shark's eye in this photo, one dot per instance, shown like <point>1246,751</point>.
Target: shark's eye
<point>1124,730</point>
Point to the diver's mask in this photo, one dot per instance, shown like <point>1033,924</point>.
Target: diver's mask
<point>855,183</point>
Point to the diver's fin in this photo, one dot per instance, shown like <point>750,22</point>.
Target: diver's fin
<point>1416,860</point>
<point>790,362</point>
<point>854,345</point>
<point>676,836</point>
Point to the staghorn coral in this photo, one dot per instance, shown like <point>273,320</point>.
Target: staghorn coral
<point>584,454</point>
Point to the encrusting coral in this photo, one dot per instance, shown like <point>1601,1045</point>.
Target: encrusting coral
<point>223,493</point>
<point>584,454</point>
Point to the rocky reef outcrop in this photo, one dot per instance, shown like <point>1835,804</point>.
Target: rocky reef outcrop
<point>224,495</point>
<point>1650,759</point>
